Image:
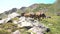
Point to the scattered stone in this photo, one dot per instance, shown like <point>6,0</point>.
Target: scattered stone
<point>37,30</point>
<point>16,32</point>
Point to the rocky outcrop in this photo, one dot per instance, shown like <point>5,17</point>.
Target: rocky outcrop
<point>6,13</point>
<point>34,6</point>
<point>23,21</point>
<point>23,9</point>
<point>10,16</point>
<point>33,26</point>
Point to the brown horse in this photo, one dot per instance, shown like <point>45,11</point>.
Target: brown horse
<point>40,15</point>
<point>22,14</point>
<point>28,14</point>
<point>36,15</point>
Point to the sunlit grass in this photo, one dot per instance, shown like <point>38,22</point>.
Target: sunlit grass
<point>53,23</point>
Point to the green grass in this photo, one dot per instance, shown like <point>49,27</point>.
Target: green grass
<point>54,22</point>
<point>2,31</point>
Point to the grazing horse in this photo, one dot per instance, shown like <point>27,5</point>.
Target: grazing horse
<point>36,15</point>
<point>28,14</point>
<point>22,14</point>
<point>40,15</point>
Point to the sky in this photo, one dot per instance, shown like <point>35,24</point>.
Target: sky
<point>9,4</point>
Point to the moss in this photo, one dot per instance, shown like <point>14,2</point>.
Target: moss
<point>4,32</point>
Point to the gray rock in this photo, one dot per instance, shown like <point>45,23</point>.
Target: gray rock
<point>23,21</point>
<point>37,30</point>
<point>16,32</point>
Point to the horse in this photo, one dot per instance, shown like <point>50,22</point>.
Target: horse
<point>22,14</point>
<point>40,15</point>
<point>27,14</point>
<point>32,15</point>
<point>37,15</point>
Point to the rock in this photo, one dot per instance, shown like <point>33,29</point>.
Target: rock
<point>16,32</point>
<point>23,9</point>
<point>13,15</point>
<point>10,16</point>
<point>36,30</point>
<point>41,29</point>
<point>23,21</point>
<point>15,22</point>
<point>2,21</point>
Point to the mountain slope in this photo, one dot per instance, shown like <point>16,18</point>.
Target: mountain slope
<point>47,8</point>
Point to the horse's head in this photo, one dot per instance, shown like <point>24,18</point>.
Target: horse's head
<point>22,14</point>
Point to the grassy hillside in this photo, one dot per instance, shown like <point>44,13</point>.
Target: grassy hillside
<point>53,23</point>
<point>50,10</point>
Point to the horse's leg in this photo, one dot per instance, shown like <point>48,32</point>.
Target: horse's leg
<point>35,17</point>
<point>38,18</point>
<point>43,16</point>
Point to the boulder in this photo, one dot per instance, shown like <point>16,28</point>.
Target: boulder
<point>16,32</point>
<point>23,21</point>
<point>38,30</point>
